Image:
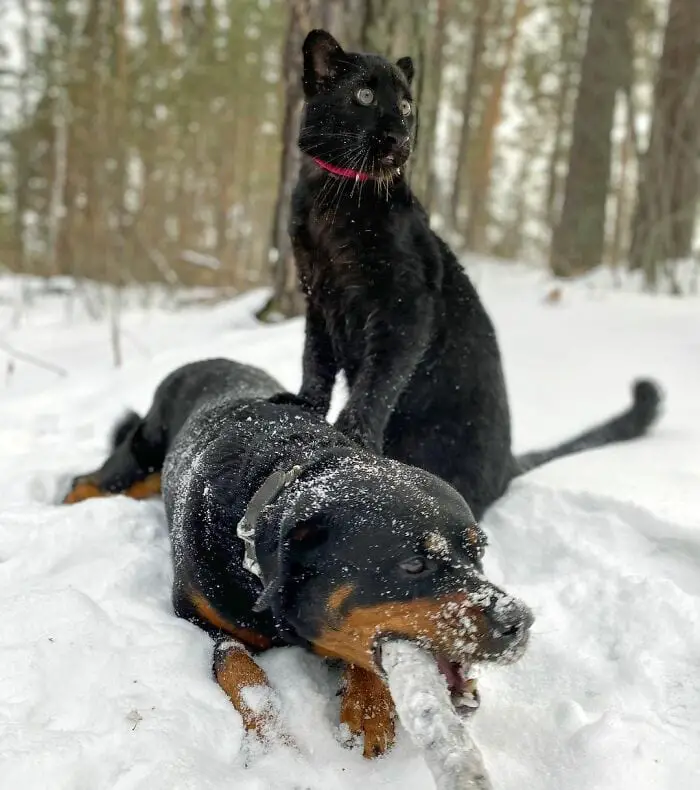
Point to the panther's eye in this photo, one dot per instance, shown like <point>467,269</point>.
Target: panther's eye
<point>365,96</point>
<point>405,107</point>
<point>414,565</point>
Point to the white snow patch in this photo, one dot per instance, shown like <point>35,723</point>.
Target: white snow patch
<point>604,546</point>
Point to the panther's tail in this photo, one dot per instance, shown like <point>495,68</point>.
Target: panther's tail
<point>633,422</point>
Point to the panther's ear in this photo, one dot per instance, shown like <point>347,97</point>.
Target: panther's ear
<point>321,53</point>
<point>406,65</point>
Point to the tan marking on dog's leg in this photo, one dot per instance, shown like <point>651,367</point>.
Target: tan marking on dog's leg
<point>240,677</point>
<point>143,489</point>
<point>81,491</point>
<point>367,709</point>
<point>87,488</point>
<point>207,612</point>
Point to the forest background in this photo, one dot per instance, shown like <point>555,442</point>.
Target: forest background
<point>152,142</point>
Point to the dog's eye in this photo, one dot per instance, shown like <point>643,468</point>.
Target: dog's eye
<point>414,565</point>
<point>405,107</point>
<point>365,96</point>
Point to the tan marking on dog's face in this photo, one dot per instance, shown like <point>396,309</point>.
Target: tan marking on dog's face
<point>207,612</point>
<point>474,536</point>
<point>432,622</point>
<point>436,544</point>
<point>338,597</point>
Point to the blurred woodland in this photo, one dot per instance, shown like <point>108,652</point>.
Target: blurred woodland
<point>154,140</point>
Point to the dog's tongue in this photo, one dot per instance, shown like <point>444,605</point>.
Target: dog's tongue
<point>451,671</point>
<point>463,691</point>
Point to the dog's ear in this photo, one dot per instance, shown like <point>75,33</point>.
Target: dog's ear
<point>306,535</point>
<point>295,546</point>
<point>406,65</point>
<point>321,54</point>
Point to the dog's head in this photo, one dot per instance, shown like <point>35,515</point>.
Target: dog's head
<point>359,112</point>
<point>371,550</point>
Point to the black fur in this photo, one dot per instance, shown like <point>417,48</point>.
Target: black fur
<point>124,427</point>
<point>387,301</point>
<point>349,519</point>
<point>138,445</point>
<point>630,424</point>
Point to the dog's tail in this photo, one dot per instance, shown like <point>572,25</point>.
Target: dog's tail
<point>123,428</point>
<point>632,423</point>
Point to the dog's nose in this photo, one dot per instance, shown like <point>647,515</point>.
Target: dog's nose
<point>508,620</point>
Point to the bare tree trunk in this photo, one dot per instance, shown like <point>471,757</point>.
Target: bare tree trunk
<point>567,57</point>
<point>668,191</point>
<point>58,185</point>
<point>621,201</point>
<point>478,47</point>
<point>21,147</point>
<point>286,299</point>
<point>579,238</point>
<point>479,189</point>
<point>430,103</point>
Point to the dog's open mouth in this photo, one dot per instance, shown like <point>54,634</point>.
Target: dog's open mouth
<point>463,690</point>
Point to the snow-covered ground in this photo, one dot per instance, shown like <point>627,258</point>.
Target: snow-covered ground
<point>102,687</point>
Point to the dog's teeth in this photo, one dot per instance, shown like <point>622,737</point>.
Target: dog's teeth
<point>466,705</point>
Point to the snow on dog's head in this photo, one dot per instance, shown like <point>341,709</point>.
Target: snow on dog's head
<point>375,550</point>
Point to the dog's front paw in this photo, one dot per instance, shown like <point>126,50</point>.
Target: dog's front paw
<point>367,710</point>
<point>247,687</point>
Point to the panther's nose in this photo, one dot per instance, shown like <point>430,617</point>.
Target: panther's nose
<point>396,140</point>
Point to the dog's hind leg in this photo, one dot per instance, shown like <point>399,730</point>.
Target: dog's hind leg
<point>133,467</point>
<point>88,487</point>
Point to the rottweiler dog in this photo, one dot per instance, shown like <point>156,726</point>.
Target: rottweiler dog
<point>285,531</point>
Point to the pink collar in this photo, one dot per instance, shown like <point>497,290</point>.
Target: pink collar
<point>344,172</point>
